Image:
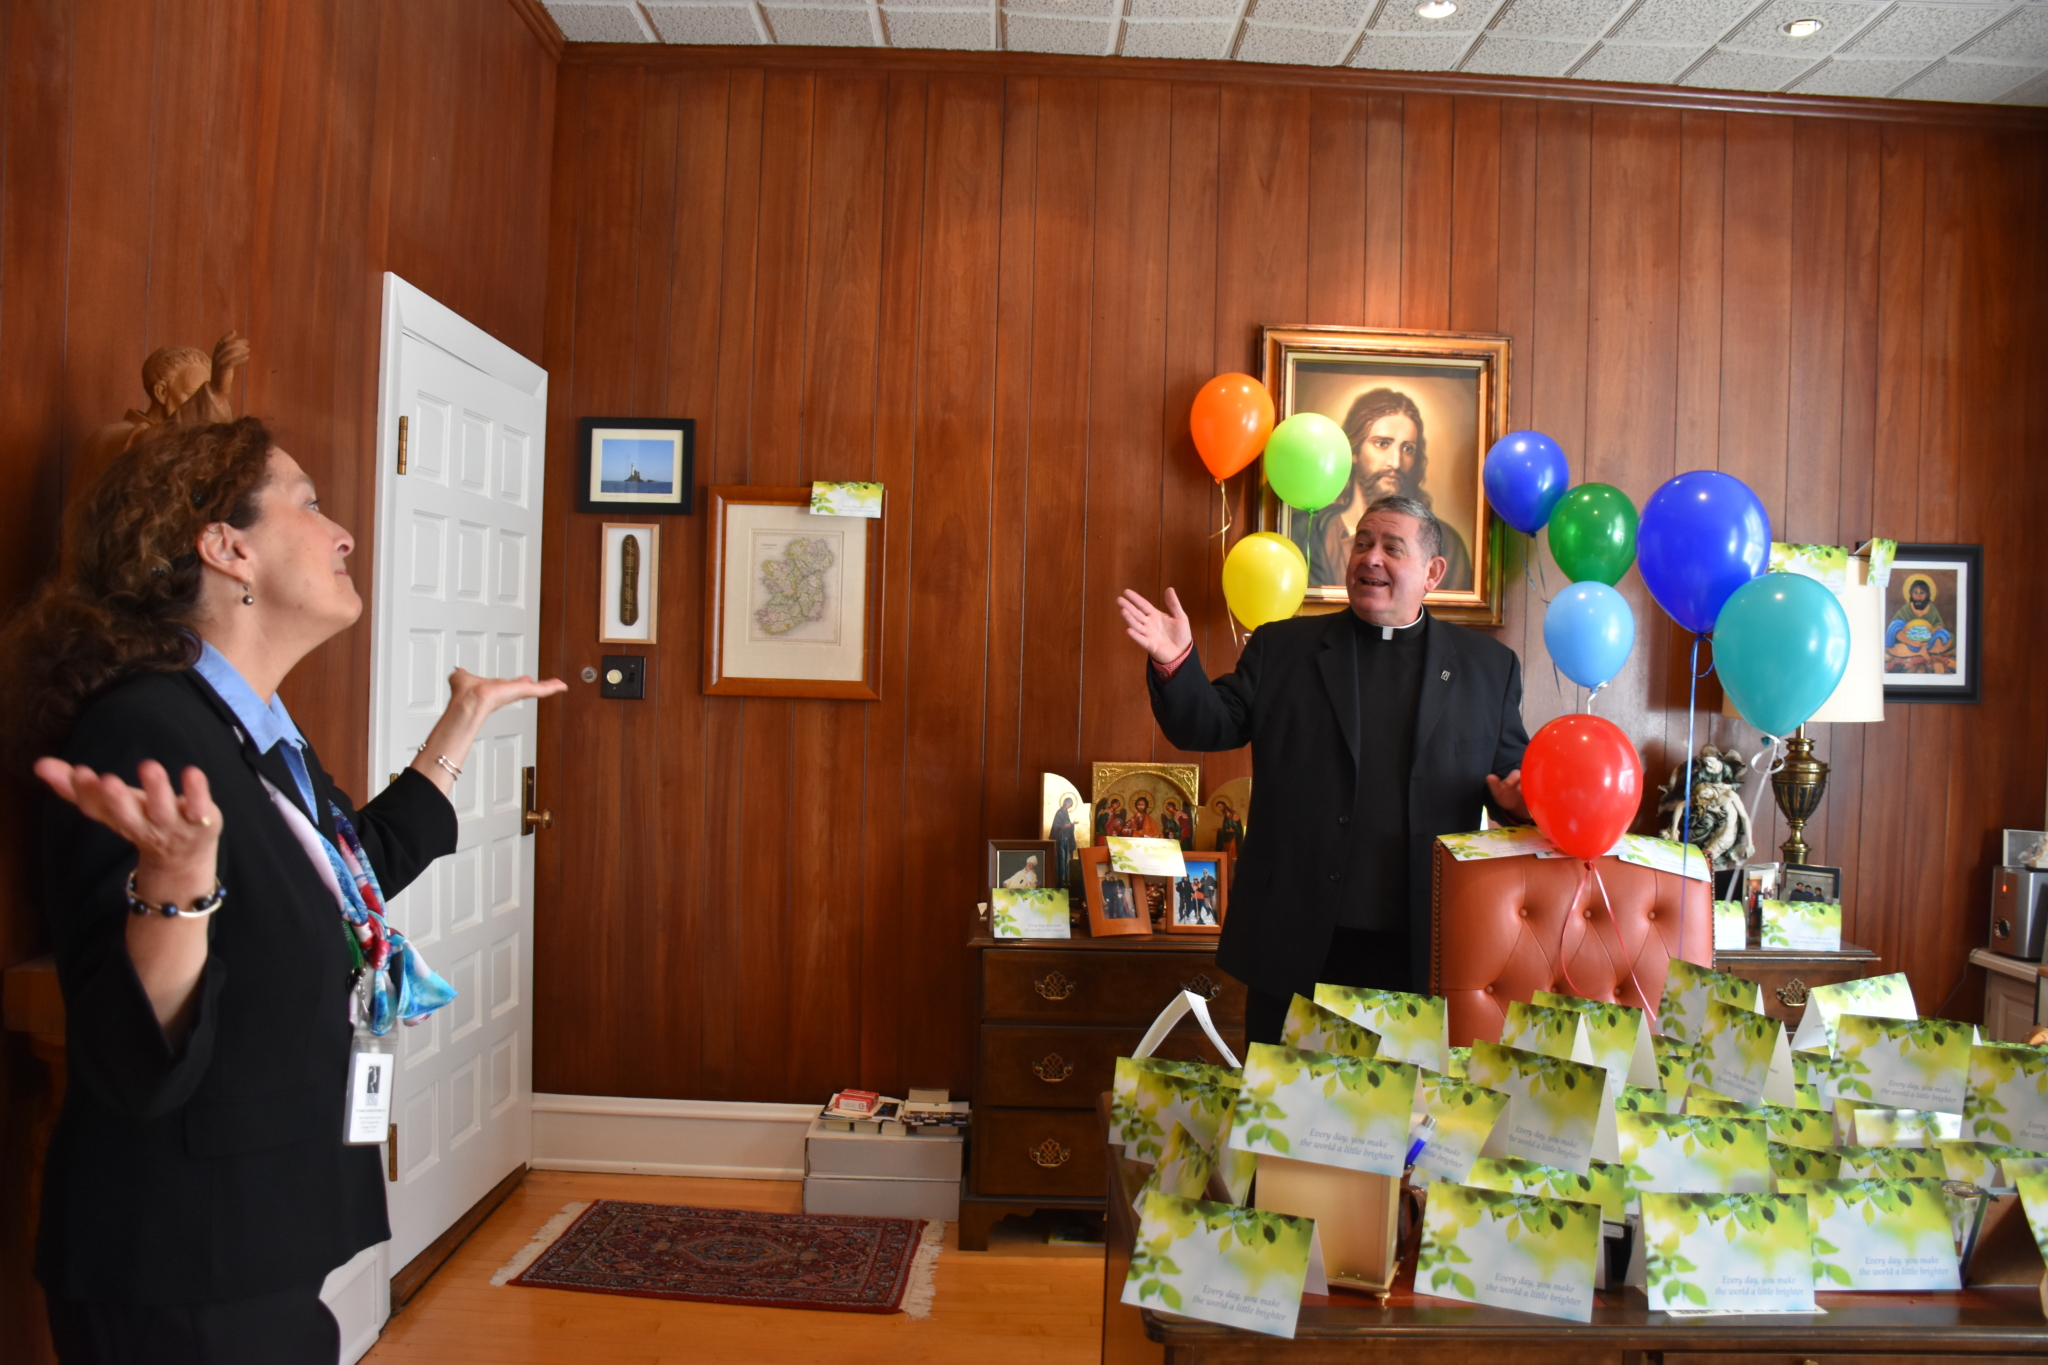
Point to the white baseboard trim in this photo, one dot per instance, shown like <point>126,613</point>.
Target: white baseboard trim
<point>711,1139</point>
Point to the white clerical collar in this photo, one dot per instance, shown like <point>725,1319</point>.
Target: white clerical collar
<point>1388,632</point>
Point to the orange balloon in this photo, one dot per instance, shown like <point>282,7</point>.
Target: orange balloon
<point>1231,419</point>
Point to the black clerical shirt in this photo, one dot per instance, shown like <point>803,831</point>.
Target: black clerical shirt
<point>1387,680</point>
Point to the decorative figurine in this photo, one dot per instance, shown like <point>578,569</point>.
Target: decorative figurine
<point>1720,822</point>
<point>185,387</point>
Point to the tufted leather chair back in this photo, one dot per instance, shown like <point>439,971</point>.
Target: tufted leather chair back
<point>1496,925</point>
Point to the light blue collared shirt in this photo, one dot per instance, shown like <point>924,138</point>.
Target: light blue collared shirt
<point>268,726</point>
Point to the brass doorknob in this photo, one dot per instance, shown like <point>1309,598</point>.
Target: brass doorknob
<point>540,819</point>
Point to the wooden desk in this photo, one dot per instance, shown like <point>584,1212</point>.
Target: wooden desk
<point>1788,976</point>
<point>1978,1325</point>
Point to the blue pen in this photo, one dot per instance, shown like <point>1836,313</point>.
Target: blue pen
<point>1422,1135</point>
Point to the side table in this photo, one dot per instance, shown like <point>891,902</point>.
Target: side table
<point>1789,976</point>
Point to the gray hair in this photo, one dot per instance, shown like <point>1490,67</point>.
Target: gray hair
<point>1429,531</point>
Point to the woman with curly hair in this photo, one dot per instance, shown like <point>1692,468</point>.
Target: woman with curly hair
<point>219,933</point>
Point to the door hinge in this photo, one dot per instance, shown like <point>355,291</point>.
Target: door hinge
<point>391,1155</point>
<point>402,434</point>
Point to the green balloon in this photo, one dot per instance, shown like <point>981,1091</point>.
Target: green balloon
<point>1308,461</point>
<point>1593,534</point>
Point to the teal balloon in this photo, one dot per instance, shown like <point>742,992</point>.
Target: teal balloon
<point>1781,645</point>
<point>1308,461</point>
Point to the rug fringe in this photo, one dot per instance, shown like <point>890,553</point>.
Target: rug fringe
<point>542,1240</point>
<point>923,1286</point>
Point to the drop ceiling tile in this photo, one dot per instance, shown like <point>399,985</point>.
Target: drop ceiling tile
<point>600,23</point>
<point>1040,33</point>
<point>1399,16</point>
<point>715,24</point>
<point>1292,46</point>
<point>1746,71</point>
<point>1183,9</point>
<point>2033,92</point>
<point>1343,14</point>
<point>807,26</point>
<point>1969,82</point>
<point>1641,63</point>
<point>1682,21</point>
<point>1842,17</point>
<point>1582,19</point>
<point>1066,9</point>
<point>1422,52</point>
<point>1870,76</point>
<point>1923,31</point>
<point>1157,39</point>
<point>1517,56</point>
<point>966,30</point>
<point>2023,37</point>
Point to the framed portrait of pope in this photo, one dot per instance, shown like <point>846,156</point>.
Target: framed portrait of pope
<point>1420,410</point>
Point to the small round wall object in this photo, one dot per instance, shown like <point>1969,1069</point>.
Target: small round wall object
<point>589,673</point>
<point>614,677</point>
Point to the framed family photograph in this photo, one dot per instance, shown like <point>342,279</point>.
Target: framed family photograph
<point>1201,898</point>
<point>792,598</point>
<point>642,465</point>
<point>1116,903</point>
<point>1022,865</point>
<point>1420,410</point>
<point>629,588</point>
<point>1931,606</point>
<point>1146,801</point>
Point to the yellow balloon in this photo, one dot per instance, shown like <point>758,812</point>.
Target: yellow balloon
<point>1265,577</point>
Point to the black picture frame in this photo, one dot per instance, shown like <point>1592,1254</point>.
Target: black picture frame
<point>679,500</point>
<point>1965,682</point>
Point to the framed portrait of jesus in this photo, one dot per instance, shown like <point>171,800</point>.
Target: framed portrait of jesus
<point>1420,410</point>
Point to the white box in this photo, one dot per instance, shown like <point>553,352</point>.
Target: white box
<point>937,1200</point>
<point>874,1156</point>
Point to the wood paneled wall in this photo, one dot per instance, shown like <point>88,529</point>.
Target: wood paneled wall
<point>995,286</point>
<point>173,170</point>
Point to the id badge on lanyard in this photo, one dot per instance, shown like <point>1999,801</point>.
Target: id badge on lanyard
<point>372,1073</point>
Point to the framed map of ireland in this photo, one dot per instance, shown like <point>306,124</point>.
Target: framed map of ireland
<point>792,598</point>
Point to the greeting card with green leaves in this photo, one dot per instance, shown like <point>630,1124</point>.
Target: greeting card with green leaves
<point>1312,1028</point>
<point>1461,1117</point>
<point>1812,926</point>
<point>1902,1063</point>
<point>1619,1036</point>
<point>1803,1163</point>
<point>1674,1061</point>
<point>1350,1112</point>
<point>1891,1163</point>
<point>1554,1105</point>
<point>1687,989</point>
<point>1886,996</point>
<point>1509,1251</point>
<point>1793,1127</point>
<point>1183,1169</point>
<point>1412,1028</point>
<point>1982,1163</point>
<point>1879,1234</point>
<point>1552,1032</point>
<point>1743,1251</point>
<point>1739,1053</point>
<point>2008,1095</point>
<point>1904,1127</point>
<point>2033,1190</point>
<point>1640,1099</point>
<point>1605,1182</point>
<point>1236,1266</point>
<point>1695,1154</point>
<point>1038,913</point>
<point>1149,1095</point>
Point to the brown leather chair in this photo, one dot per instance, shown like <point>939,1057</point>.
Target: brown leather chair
<point>1496,924</point>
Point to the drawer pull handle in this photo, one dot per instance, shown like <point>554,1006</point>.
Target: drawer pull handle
<point>1053,1069</point>
<point>1053,986</point>
<point>1050,1154</point>
<point>1792,995</point>
<point>1201,985</point>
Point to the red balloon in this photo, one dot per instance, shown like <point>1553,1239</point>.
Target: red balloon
<point>1583,781</point>
<point>1231,419</point>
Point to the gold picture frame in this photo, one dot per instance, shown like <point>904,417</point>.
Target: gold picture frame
<point>1452,384</point>
<point>1171,792</point>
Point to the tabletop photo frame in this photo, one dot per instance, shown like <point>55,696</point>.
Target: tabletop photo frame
<point>1116,903</point>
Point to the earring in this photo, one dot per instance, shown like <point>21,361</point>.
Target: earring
<point>248,598</point>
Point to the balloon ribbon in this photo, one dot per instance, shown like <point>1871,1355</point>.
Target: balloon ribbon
<point>1588,872</point>
<point>1692,706</point>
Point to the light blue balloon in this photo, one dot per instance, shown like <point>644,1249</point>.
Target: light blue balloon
<point>1781,645</point>
<point>1589,631</point>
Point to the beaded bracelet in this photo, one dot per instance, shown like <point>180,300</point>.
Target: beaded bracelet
<point>201,908</point>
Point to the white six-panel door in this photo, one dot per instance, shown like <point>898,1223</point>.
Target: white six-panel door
<point>458,584</point>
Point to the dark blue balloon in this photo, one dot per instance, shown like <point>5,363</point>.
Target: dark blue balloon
<point>1589,631</point>
<point>1703,535</point>
<point>1526,477</point>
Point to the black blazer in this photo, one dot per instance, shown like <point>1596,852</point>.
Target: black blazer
<point>1291,698</point>
<point>217,1170</point>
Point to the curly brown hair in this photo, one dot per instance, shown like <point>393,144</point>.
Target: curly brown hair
<point>121,601</point>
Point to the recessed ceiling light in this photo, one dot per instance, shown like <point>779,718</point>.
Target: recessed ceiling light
<point>1436,9</point>
<point>1802,28</point>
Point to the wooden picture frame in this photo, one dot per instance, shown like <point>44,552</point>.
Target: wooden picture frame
<point>1109,916</point>
<point>629,583</point>
<point>655,459</point>
<point>1211,903</point>
<point>1942,663</point>
<point>1448,392</point>
<point>810,628</point>
<point>1008,858</point>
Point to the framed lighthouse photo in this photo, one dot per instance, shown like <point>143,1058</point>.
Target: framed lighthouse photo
<point>642,465</point>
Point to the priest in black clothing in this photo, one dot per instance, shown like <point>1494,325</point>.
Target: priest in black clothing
<point>1373,731</point>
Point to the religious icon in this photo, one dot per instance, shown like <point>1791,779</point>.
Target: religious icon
<point>1225,817</point>
<point>1931,604</point>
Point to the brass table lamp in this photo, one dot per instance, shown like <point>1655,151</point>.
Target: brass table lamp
<point>1797,787</point>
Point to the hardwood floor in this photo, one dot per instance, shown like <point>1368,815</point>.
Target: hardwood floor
<point>1010,1305</point>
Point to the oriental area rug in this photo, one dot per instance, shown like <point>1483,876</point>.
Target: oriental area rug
<point>766,1260</point>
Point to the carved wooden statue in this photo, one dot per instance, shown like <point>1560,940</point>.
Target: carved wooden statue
<point>186,387</point>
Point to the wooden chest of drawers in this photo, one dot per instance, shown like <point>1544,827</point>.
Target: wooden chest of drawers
<point>1788,976</point>
<point>1055,1016</point>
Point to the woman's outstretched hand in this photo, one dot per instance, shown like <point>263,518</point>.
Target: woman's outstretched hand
<point>471,699</point>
